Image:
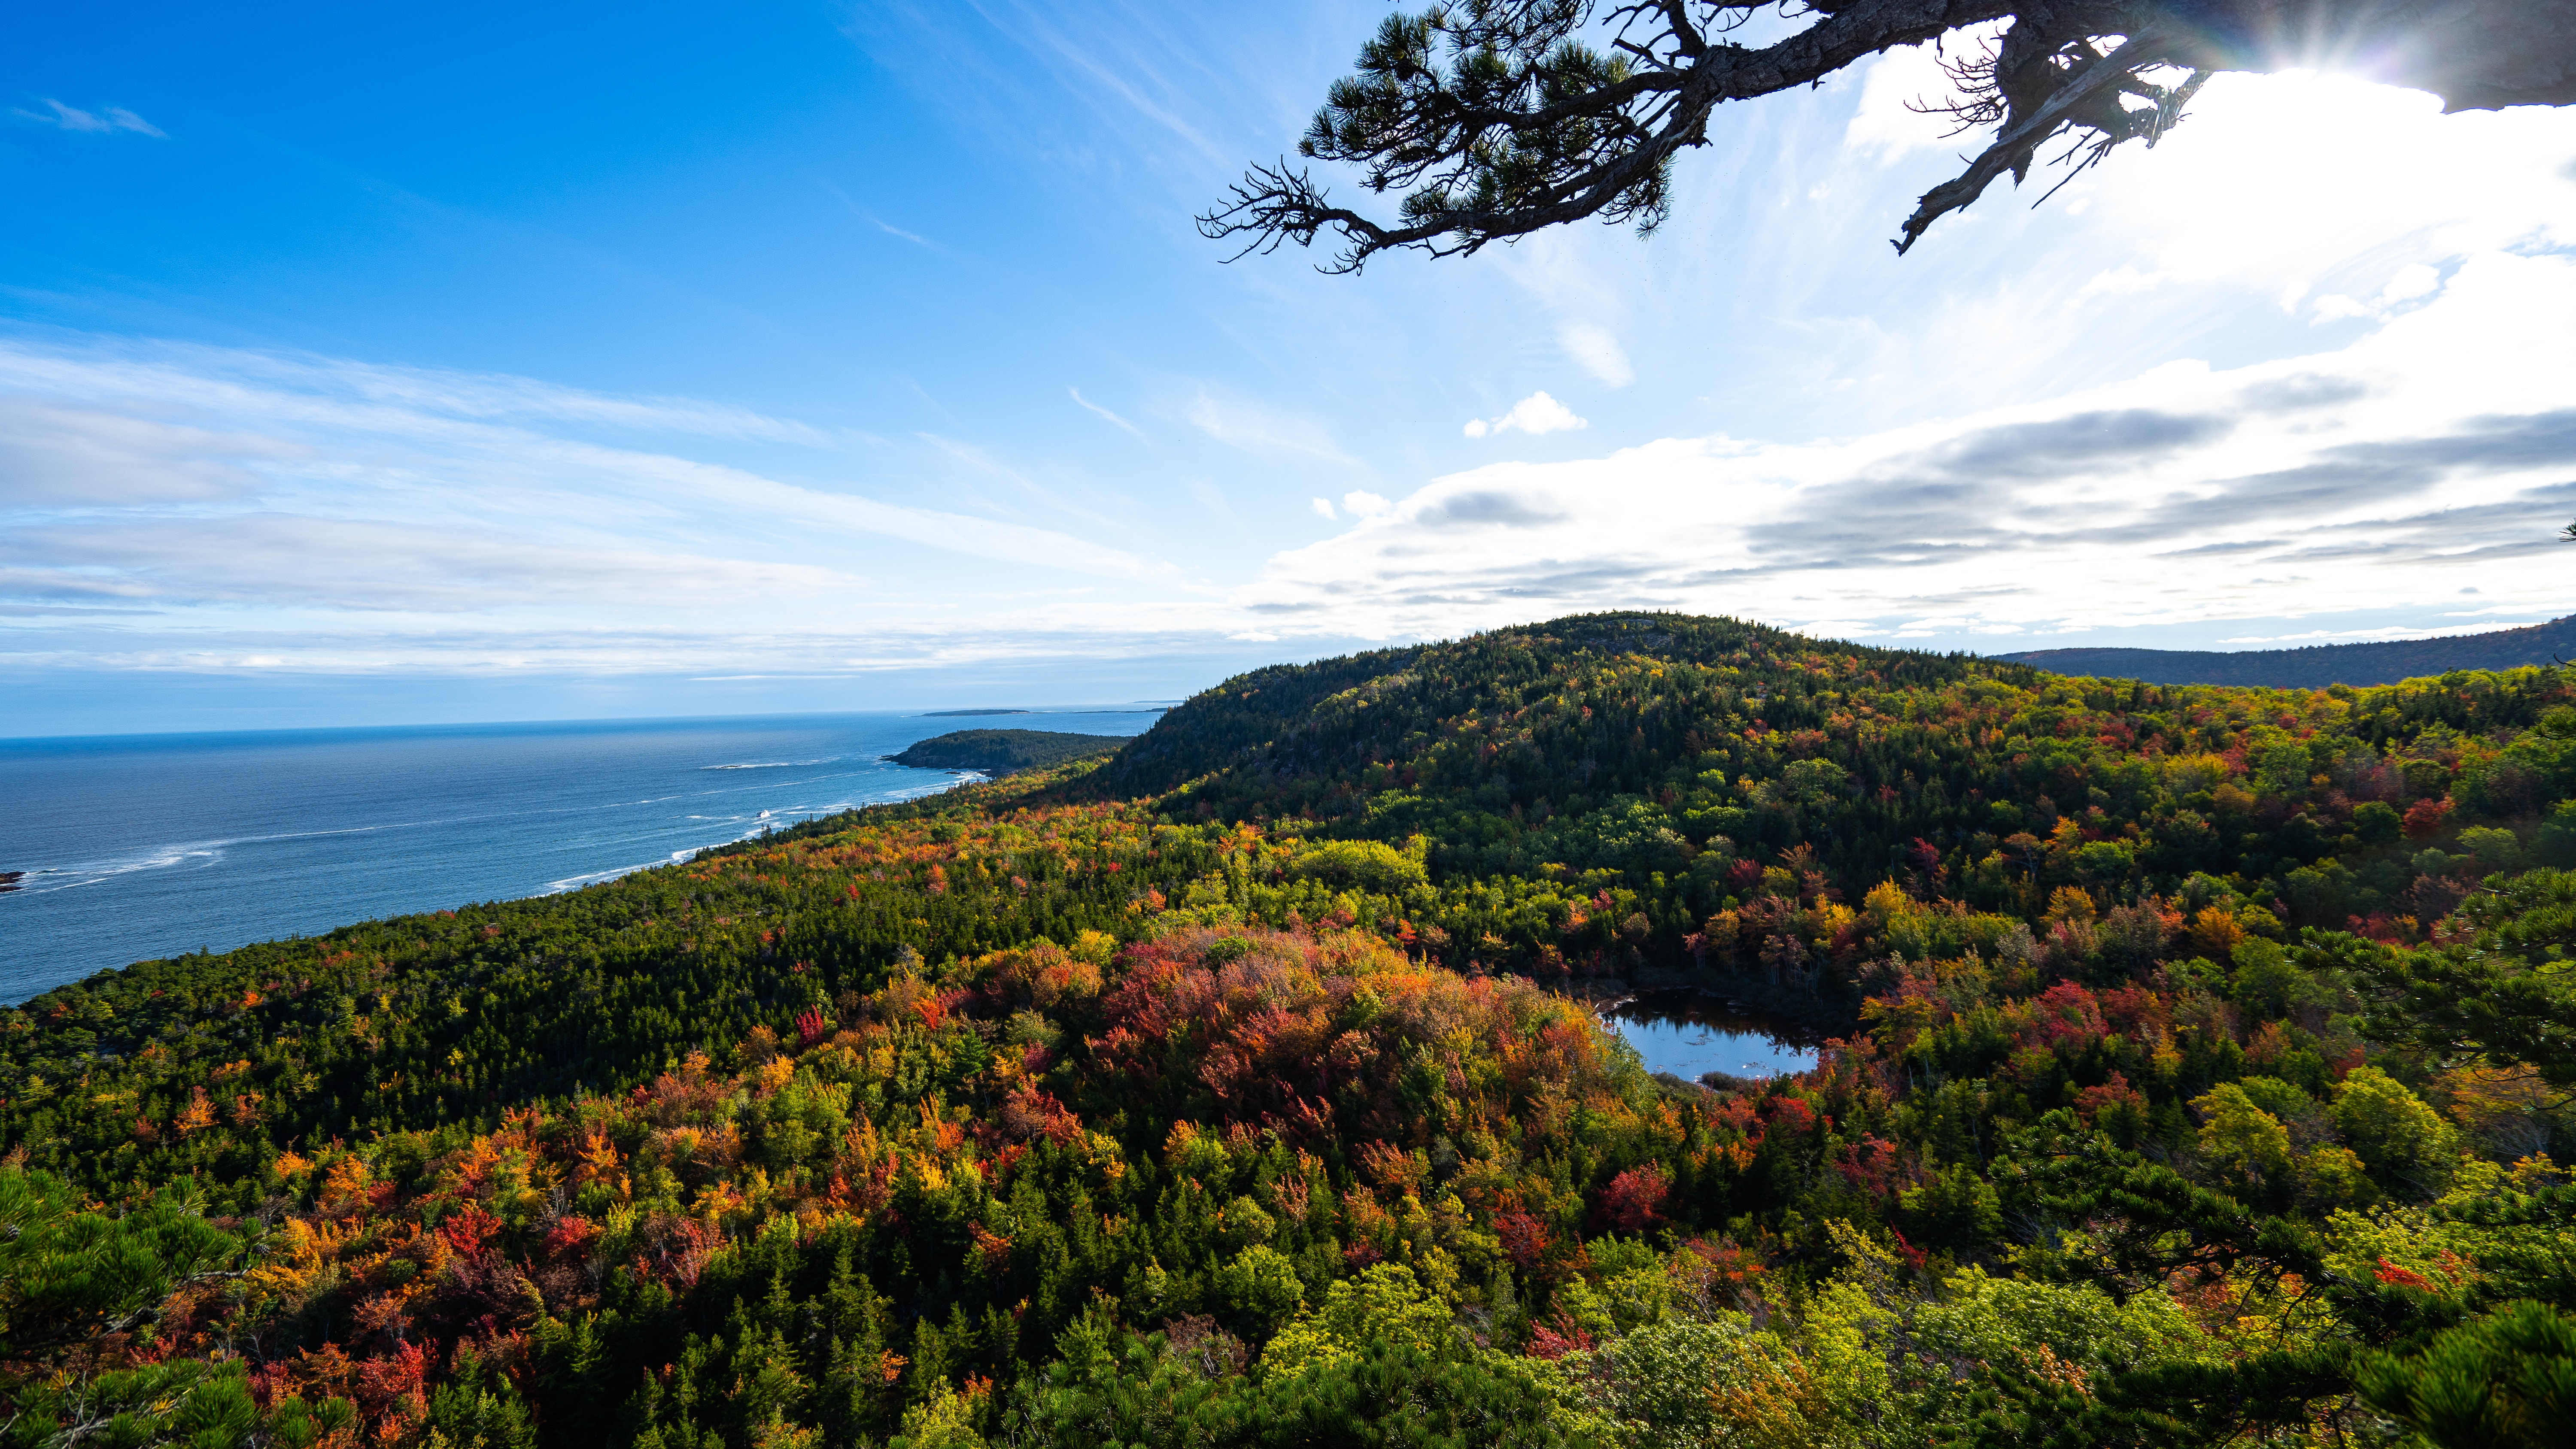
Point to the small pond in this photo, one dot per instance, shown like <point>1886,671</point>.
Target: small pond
<point>1690,1033</point>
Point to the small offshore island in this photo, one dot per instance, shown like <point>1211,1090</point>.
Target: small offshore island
<point>1003,752</point>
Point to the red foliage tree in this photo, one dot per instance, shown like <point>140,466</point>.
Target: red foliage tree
<point>2424,818</point>
<point>1525,1239</point>
<point>1634,1200</point>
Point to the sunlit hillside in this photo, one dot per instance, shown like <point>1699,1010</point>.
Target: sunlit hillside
<point>2200,1070</point>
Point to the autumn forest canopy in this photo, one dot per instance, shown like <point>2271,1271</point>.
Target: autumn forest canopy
<point>2200,1075</point>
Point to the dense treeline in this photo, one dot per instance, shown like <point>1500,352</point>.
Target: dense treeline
<point>2204,1079</point>
<point>1673,762</point>
<point>2317,666</point>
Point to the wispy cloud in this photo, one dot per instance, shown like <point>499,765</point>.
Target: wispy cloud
<point>1597,349</point>
<point>356,490</point>
<point>1036,639</point>
<point>1900,93</point>
<point>1125,61</point>
<point>1257,428</point>
<point>366,565</point>
<point>1119,85</point>
<point>1104,412</point>
<point>53,456</point>
<point>872,219</point>
<point>105,120</point>
<point>293,387</point>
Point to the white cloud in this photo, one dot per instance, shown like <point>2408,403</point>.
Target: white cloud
<point>1363,503</point>
<point>1537,413</point>
<point>2413,281</point>
<point>1598,350</point>
<point>104,120</point>
<point>1324,509</point>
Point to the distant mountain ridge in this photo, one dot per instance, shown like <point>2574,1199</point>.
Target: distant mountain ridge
<point>2318,665</point>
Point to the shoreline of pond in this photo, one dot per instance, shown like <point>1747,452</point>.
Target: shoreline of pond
<point>1710,1032</point>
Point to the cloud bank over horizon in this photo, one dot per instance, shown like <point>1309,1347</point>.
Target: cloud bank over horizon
<point>2426,465</point>
<point>369,519</point>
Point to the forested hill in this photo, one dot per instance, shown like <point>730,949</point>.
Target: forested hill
<point>1656,747</point>
<point>2203,1078</point>
<point>2318,666</point>
<point>1331,718</point>
<point>1001,752</point>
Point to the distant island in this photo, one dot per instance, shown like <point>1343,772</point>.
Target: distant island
<point>1000,752</point>
<point>954,713</point>
<point>2319,665</point>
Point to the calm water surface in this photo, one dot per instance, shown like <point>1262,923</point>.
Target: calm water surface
<point>1688,1033</point>
<point>151,845</point>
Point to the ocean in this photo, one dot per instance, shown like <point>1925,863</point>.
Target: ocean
<point>141,846</point>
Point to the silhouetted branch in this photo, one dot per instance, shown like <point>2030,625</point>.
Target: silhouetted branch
<point>1497,118</point>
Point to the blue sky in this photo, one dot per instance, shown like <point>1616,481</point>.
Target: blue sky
<point>508,363</point>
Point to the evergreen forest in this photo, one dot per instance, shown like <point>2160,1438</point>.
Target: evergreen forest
<point>2200,1069</point>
